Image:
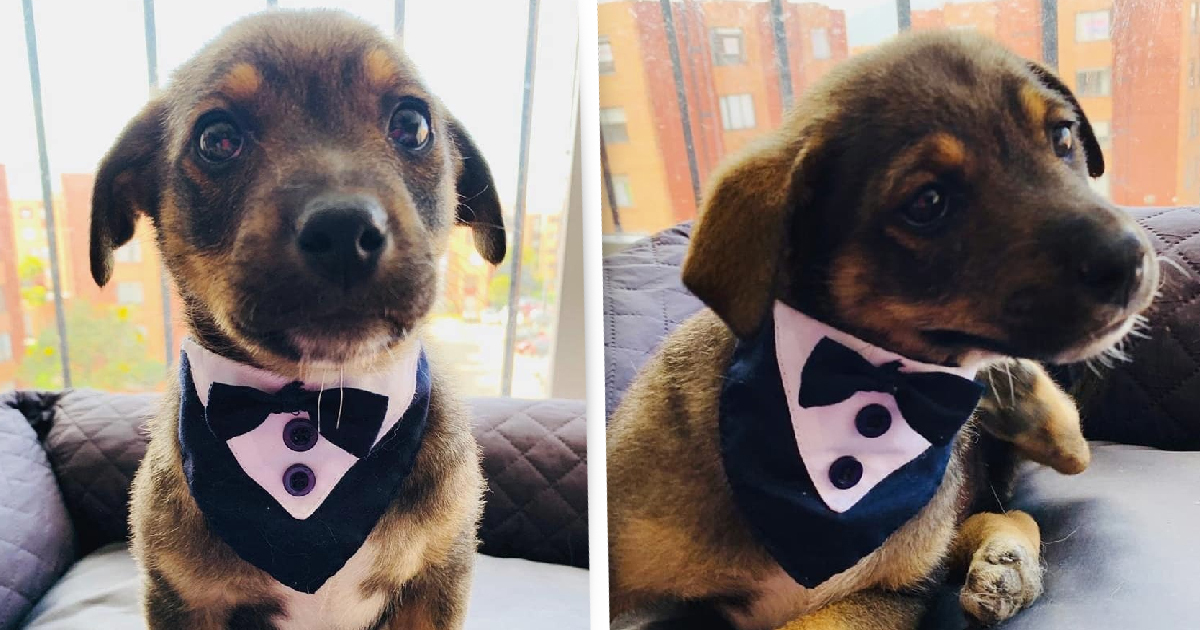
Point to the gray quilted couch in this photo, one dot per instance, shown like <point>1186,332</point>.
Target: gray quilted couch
<point>66,460</point>
<point>1121,542</point>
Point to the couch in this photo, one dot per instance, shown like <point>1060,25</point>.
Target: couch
<point>67,458</point>
<point>1121,542</point>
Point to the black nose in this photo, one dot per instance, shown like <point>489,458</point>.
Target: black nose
<point>342,237</point>
<point>1111,268</point>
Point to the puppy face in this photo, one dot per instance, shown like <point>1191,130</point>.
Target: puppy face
<point>930,197</point>
<point>303,182</point>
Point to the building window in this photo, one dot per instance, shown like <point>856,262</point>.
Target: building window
<point>3,304</point>
<point>727,47</point>
<point>737,112</point>
<point>606,57</point>
<point>1103,132</point>
<point>131,252</point>
<point>622,193</point>
<point>820,43</point>
<point>1092,26</point>
<point>6,349</point>
<point>130,293</point>
<point>1094,82</point>
<point>612,125</point>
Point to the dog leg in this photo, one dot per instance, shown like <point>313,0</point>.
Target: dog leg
<point>1000,556</point>
<point>865,610</point>
<point>1025,407</point>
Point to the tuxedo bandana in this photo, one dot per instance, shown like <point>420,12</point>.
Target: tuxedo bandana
<point>831,444</point>
<point>293,476</point>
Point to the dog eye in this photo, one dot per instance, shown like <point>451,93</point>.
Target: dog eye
<point>219,141</point>
<point>1063,139</point>
<point>409,128</point>
<point>927,207</point>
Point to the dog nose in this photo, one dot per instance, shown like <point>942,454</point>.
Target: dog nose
<point>342,237</point>
<point>1111,269</point>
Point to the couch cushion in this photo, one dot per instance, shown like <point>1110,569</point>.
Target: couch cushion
<point>95,444</point>
<point>102,591</point>
<point>35,531</point>
<point>1119,543</point>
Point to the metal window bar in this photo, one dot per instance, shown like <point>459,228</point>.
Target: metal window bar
<point>1050,33</point>
<point>681,94</point>
<point>782,61</point>
<point>164,282</point>
<point>903,15</point>
<point>35,84</point>
<point>514,285</point>
<point>606,174</point>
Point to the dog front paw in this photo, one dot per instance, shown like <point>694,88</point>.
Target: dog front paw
<point>1004,577</point>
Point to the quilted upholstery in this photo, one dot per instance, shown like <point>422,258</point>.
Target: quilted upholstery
<point>95,443</point>
<point>536,467</point>
<point>1154,400</point>
<point>35,531</point>
<point>643,301</point>
<point>534,458</point>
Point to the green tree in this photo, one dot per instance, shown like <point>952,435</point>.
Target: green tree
<point>107,350</point>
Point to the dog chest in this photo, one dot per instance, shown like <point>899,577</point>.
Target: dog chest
<point>339,604</point>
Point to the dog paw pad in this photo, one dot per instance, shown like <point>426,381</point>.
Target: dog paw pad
<point>1004,578</point>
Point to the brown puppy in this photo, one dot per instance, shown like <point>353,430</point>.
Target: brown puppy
<point>929,197</point>
<point>303,182</point>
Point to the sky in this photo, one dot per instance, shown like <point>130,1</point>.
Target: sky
<point>92,58</point>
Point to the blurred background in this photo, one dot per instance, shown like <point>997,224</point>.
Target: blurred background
<point>684,83</point>
<point>73,72</point>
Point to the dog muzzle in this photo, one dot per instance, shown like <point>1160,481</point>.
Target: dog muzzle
<point>293,475</point>
<point>831,444</point>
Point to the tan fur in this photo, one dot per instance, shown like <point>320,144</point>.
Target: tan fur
<point>676,537</point>
<point>414,569</point>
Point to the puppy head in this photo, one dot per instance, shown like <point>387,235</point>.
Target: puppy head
<point>931,197</point>
<point>303,183</point>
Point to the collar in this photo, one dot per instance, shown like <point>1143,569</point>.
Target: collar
<point>830,433</point>
<point>822,486</point>
<point>250,445</point>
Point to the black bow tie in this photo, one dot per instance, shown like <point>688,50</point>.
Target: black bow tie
<point>935,404</point>
<point>233,410</point>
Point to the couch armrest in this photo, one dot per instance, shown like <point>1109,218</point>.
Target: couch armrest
<point>36,538</point>
<point>535,462</point>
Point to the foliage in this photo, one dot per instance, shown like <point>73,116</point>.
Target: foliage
<point>107,351</point>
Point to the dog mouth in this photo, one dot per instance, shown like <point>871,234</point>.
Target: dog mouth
<point>336,338</point>
<point>1094,344</point>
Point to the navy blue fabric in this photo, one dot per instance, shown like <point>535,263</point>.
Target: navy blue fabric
<point>234,410</point>
<point>936,404</point>
<point>301,554</point>
<point>774,493</point>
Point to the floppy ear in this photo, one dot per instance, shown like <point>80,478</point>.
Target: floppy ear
<point>733,258</point>
<point>126,184</point>
<point>1091,146</point>
<point>478,203</point>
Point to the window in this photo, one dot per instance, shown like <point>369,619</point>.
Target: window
<point>101,48</point>
<point>727,46</point>
<point>131,252</point>
<point>6,347</point>
<point>820,44</point>
<point>130,293</point>
<point>1103,131</point>
<point>737,112</point>
<point>3,304</point>
<point>1094,82</point>
<point>622,194</point>
<point>605,55</point>
<point>1092,26</point>
<point>612,125</point>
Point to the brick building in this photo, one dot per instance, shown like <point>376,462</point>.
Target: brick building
<point>12,324</point>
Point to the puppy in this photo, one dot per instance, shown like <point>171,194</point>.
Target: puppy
<point>801,452</point>
<point>309,469</point>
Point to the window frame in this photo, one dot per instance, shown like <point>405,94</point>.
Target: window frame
<point>746,110</point>
<point>1105,73</point>
<point>609,66</point>
<point>1082,15</point>
<point>612,131</point>
<point>717,36</point>
<point>622,191</point>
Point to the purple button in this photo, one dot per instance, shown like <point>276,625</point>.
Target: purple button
<point>299,480</point>
<point>300,434</point>
<point>873,421</point>
<point>845,472</point>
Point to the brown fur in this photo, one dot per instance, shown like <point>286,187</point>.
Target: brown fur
<point>310,100</point>
<point>812,216</point>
